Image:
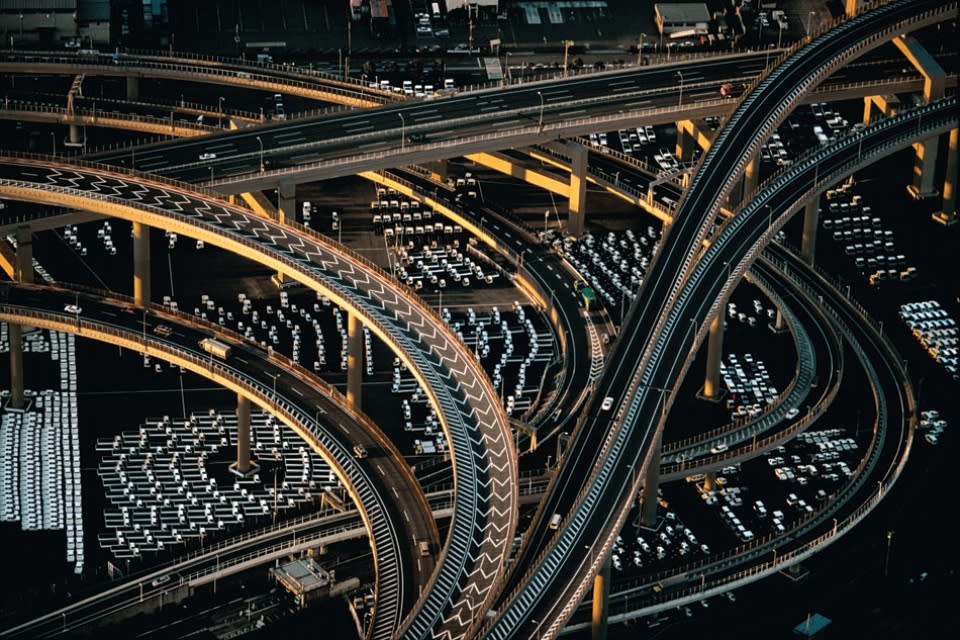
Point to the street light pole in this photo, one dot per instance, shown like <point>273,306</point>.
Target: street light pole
<point>220,109</point>
<point>403,126</point>
<point>540,126</point>
<point>546,218</point>
<point>53,140</point>
<point>640,48</point>
<point>680,101</point>
<point>261,153</point>
<point>809,15</point>
<point>566,48</point>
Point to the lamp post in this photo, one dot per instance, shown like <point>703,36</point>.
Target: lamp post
<point>809,16</point>
<point>220,109</point>
<point>540,124</point>
<point>53,140</point>
<point>680,101</point>
<point>886,561</point>
<point>546,218</point>
<point>640,48</point>
<point>403,126</point>
<point>211,173</point>
<point>566,49</point>
<point>766,62</point>
<point>261,153</point>
<point>779,32</point>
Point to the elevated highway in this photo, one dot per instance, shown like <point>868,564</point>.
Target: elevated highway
<point>388,498</point>
<point>195,68</point>
<point>640,399</point>
<point>473,421</point>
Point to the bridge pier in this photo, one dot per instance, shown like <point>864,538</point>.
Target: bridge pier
<point>439,169</point>
<point>141,264</point>
<point>888,105</point>
<point>22,272</point>
<point>948,214</point>
<point>244,466</point>
<point>747,184</point>
<point>712,389</point>
<point>934,88</point>
<point>601,600</point>
<point>686,140</point>
<point>286,211</point>
<point>852,7</point>
<point>15,335</point>
<point>811,219</point>
<point>651,482</point>
<point>576,219</point>
<point>710,481</point>
<point>133,88</point>
<point>76,136</point>
<point>354,360</point>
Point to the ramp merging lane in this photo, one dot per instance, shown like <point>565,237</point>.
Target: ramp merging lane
<point>484,461</point>
<point>387,495</point>
<point>661,327</point>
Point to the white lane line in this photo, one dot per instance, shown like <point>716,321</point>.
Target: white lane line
<point>297,391</point>
<point>222,145</point>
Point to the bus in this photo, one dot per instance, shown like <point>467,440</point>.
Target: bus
<point>215,348</point>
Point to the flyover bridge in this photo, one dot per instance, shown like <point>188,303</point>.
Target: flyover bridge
<point>473,420</point>
<point>639,399</point>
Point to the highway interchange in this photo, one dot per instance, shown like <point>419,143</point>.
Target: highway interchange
<point>659,322</point>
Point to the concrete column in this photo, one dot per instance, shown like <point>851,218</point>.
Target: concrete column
<point>651,481</point>
<point>244,466</point>
<point>354,360</point>
<point>76,135</point>
<point>852,7</point>
<point>601,597</point>
<point>133,88</point>
<point>23,266</point>
<point>710,481</point>
<point>576,221</point>
<point>712,389</point>
<point>686,140</point>
<point>811,220</point>
<point>286,212</point>
<point>779,325</point>
<point>948,214</point>
<point>15,334</point>
<point>751,178</point>
<point>286,202</point>
<point>888,105</point>
<point>934,88</point>
<point>439,169</point>
<point>141,264</point>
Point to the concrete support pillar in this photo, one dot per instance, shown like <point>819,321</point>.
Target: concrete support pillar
<point>576,222</point>
<point>852,7</point>
<point>934,88</point>
<point>686,140</point>
<point>76,135</point>
<point>244,466</point>
<point>811,220</point>
<point>286,202</point>
<point>779,325</point>
<point>924,165</point>
<point>141,264</point>
<point>439,169</point>
<point>651,482</point>
<point>286,212</point>
<point>710,481</point>
<point>751,178</point>
<point>354,360</point>
<point>712,389</point>
<point>133,88</point>
<point>948,214</point>
<point>888,105</point>
<point>23,265</point>
<point>601,598</point>
<point>15,334</point>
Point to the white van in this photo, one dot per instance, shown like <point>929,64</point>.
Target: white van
<point>555,521</point>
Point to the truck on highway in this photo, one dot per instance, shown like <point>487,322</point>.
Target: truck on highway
<point>215,348</point>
